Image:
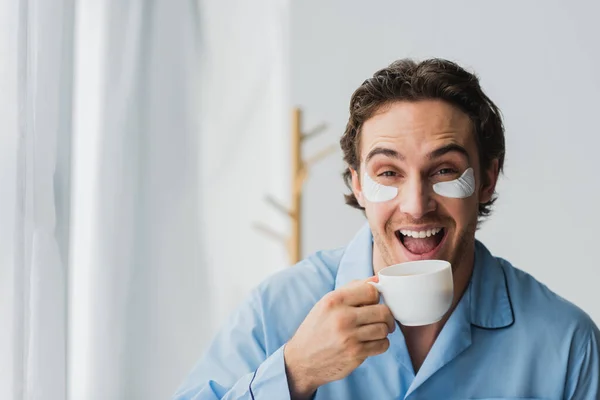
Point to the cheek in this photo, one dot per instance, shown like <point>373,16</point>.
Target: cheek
<point>462,211</point>
<point>379,213</point>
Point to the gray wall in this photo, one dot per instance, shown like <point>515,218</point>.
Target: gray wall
<point>538,62</point>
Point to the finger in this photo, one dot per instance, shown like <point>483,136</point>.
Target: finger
<point>375,347</point>
<point>359,294</point>
<point>378,313</point>
<point>358,282</point>
<point>367,333</point>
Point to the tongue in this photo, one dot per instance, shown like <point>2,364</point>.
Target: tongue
<point>421,246</point>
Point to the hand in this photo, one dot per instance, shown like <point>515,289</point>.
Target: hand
<point>344,328</point>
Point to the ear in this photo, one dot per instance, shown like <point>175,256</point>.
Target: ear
<point>489,180</point>
<point>357,188</point>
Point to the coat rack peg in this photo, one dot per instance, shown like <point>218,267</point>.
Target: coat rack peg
<point>278,206</point>
<point>270,232</point>
<point>315,131</point>
<point>321,155</point>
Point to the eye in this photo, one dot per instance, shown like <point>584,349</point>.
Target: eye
<point>446,171</point>
<point>388,174</point>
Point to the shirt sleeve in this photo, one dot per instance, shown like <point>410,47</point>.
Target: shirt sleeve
<point>584,381</point>
<point>236,365</point>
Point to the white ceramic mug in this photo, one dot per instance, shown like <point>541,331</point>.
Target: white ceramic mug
<point>417,292</point>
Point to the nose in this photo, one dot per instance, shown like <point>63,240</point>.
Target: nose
<point>416,199</point>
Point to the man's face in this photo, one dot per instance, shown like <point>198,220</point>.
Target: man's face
<point>412,146</point>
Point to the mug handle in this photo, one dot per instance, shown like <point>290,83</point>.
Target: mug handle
<point>378,286</point>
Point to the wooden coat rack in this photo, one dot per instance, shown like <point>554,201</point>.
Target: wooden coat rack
<point>300,170</point>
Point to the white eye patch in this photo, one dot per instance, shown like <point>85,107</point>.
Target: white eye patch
<point>459,188</point>
<point>376,192</point>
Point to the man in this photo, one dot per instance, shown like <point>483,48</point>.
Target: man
<point>318,330</point>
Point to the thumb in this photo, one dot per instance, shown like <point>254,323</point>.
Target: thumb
<point>374,278</point>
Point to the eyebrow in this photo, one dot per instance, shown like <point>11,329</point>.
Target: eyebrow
<point>383,151</point>
<point>449,148</point>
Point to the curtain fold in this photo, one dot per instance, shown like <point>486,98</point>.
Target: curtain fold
<point>41,271</point>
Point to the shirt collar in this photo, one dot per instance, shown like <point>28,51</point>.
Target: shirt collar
<point>491,307</point>
<point>489,301</point>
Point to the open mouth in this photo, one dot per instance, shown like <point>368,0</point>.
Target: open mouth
<point>422,243</point>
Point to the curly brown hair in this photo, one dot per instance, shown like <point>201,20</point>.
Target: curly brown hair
<point>407,80</point>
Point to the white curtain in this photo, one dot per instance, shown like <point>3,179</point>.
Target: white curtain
<point>33,272</point>
<point>127,131</point>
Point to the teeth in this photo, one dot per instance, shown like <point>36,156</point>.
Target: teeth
<point>421,234</point>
